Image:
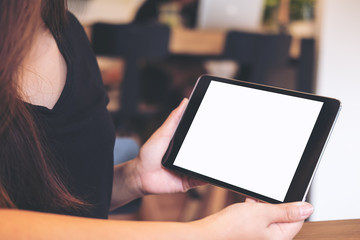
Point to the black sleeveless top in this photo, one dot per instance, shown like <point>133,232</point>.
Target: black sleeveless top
<point>79,129</point>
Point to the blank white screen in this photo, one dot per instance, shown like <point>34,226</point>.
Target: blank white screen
<point>249,138</point>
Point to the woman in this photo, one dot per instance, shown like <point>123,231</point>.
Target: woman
<point>56,144</point>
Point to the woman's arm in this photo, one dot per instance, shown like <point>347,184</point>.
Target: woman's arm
<point>239,221</point>
<point>19,224</point>
<point>125,184</point>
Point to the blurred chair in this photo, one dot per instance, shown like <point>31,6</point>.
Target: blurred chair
<point>258,52</point>
<point>133,43</point>
<point>305,66</point>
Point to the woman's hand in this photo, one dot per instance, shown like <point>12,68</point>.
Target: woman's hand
<point>252,220</point>
<point>144,174</point>
<point>153,178</point>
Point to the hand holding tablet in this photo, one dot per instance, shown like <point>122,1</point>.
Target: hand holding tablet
<point>261,141</point>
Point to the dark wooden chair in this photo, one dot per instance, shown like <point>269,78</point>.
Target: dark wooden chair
<point>260,53</point>
<point>305,66</point>
<point>133,43</point>
<point>257,52</point>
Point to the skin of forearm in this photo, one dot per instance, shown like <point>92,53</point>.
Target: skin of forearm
<point>126,186</point>
<point>20,224</point>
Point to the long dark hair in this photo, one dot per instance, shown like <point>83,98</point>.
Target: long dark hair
<point>26,167</point>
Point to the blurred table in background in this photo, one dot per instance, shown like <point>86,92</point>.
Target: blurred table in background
<point>206,42</point>
<point>196,42</point>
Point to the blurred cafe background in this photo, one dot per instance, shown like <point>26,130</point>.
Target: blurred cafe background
<point>151,52</point>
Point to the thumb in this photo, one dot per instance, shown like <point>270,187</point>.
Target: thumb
<point>291,212</point>
<point>169,126</point>
<point>162,136</point>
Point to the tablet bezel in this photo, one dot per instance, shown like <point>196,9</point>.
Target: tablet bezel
<point>309,160</point>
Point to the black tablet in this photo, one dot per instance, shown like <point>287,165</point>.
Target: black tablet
<point>261,141</point>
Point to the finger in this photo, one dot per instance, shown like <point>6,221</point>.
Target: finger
<point>289,212</point>
<point>250,200</point>
<point>289,230</point>
<point>173,120</point>
<point>189,182</point>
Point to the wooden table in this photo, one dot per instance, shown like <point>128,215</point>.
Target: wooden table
<point>207,42</point>
<point>196,42</point>
<point>330,230</point>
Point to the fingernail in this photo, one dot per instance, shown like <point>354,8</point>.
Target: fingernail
<point>183,101</point>
<point>306,210</point>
